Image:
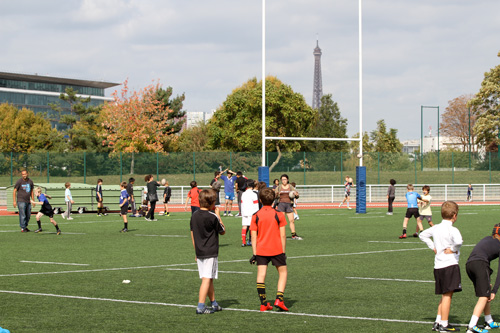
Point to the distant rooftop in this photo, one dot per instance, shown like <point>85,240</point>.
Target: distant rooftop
<point>57,80</point>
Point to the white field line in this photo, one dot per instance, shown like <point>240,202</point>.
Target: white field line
<point>367,217</point>
<point>47,232</point>
<point>225,309</point>
<point>194,263</point>
<point>195,270</point>
<point>395,242</point>
<point>383,279</point>
<point>140,235</point>
<point>52,263</point>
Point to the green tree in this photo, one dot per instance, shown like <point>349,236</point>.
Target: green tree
<point>385,141</point>
<point>328,124</point>
<point>175,115</point>
<point>195,138</point>
<point>237,124</point>
<point>24,131</point>
<point>486,105</point>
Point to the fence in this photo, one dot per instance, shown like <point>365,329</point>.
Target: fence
<point>305,168</point>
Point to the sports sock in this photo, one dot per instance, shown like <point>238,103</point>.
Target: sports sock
<point>294,234</point>
<point>125,225</point>
<point>214,303</point>
<point>261,290</point>
<point>438,319</point>
<point>39,224</point>
<point>57,227</point>
<point>473,320</point>
<point>201,306</point>
<point>444,323</point>
<point>404,231</point>
<point>488,318</point>
<point>243,236</point>
<point>279,295</point>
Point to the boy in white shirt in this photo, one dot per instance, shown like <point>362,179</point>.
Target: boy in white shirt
<point>424,207</point>
<point>249,206</point>
<point>446,242</point>
<point>68,198</point>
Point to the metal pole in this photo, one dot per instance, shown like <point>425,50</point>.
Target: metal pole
<point>452,169</point>
<point>415,158</point>
<point>360,32</point>
<point>304,168</point>
<point>421,137</point>
<point>438,138</point>
<point>263,81</point>
<point>469,141</point>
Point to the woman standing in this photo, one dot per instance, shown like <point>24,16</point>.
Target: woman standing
<point>152,197</point>
<point>391,195</point>
<point>283,193</point>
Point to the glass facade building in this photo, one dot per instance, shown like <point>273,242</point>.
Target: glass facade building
<point>36,92</point>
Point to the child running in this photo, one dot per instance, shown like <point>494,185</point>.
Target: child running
<point>446,242</point>
<point>424,208</point>
<point>347,191</point>
<point>46,210</point>
<point>249,206</point>
<point>205,229</point>
<point>412,210</point>
<point>269,245</point>
<point>124,200</point>
<point>479,271</point>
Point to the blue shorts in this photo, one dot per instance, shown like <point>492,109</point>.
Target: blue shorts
<point>230,196</point>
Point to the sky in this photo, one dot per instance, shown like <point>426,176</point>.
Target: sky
<point>415,53</point>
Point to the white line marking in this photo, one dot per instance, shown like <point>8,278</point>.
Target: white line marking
<point>195,270</point>
<point>225,309</point>
<point>400,242</point>
<point>52,263</point>
<point>367,217</point>
<point>47,232</point>
<point>220,262</point>
<point>382,279</point>
<point>160,235</point>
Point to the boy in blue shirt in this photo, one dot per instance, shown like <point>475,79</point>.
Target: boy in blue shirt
<point>228,191</point>
<point>46,210</point>
<point>124,198</point>
<point>412,210</point>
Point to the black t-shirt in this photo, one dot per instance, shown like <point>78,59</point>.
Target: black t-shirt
<point>242,183</point>
<point>206,228</point>
<point>24,189</point>
<point>215,184</point>
<point>488,249</point>
<point>130,190</point>
<point>167,192</point>
<point>152,187</point>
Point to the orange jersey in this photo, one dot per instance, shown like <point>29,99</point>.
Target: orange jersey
<point>267,223</point>
<point>194,194</point>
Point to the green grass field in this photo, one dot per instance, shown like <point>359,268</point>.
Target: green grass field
<point>158,258</point>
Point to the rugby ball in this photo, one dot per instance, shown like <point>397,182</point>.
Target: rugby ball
<point>163,181</point>
<point>291,195</point>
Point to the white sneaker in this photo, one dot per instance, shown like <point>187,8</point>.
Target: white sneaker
<point>229,214</point>
<point>298,218</point>
<point>63,216</point>
<point>225,214</point>
<point>340,205</point>
<point>69,218</point>
<point>349,208</point>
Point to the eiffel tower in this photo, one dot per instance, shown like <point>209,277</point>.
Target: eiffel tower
<point>318,84</point>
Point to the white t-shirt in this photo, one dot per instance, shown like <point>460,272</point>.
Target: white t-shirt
<point>67,195</point>
<point>425,208</point>
<point>249,203</point>
<point>444,235</point>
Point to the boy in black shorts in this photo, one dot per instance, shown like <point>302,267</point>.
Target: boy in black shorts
<point>45,210</point>
<point>124,199</point>
<point>479,271</point>
<point>269,244</point>
<point>446,242</point>
<point>98,197</point>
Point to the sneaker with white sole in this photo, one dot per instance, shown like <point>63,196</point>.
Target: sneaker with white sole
<point>476,329</point>
<point>205,310</point>
<point>493,324</point>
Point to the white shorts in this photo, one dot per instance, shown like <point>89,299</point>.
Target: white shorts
<point>246,221</point>
<point>208,268</point>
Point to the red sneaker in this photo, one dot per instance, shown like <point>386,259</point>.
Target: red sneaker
<point>266,307</point>
<point>402,236</point>
<point>280,305</point>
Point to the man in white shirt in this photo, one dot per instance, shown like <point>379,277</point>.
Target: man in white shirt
<point>249,206</point>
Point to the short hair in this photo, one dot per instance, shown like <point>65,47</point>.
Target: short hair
<point>426,188</point>
<point>38,189</point>
<point>131,180</point>
<point>123,184</point>
<point>284,175</point>
<point>193,183</point>
<point>267,196</point>
<point>293,184</point>
<point>99,180</point>
<point>392,182</point>
<point>250,183</point>
<point>239,173</point>
<point>207,198</point>
<point>148,177</point>
<point>67,184</point>
<point>261,185</point>
<point>410,187</point>
<point>448,209</point>
<point>216,173</point>
<point>276,180</point>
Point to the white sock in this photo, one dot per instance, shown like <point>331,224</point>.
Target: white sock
<point>473,321</point>
<point>444,323</point>
<point>488,318</point>
<point>438,319</point>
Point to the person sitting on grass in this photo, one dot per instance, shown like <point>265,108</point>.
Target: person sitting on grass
<point>46,210</point>
<point>206,226</point>
<point>269,245</point>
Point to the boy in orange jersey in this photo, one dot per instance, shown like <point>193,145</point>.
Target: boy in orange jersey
<point>269,244</point>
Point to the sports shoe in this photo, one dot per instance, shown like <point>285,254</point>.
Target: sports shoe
<point>124,230</point>
<point>64,217</point>
<point>298,218</point>
<point>69,218</point>
<point>388,213</point>
<point>229,214</point>
<point>105,214</point>
<point>225,214</point>
<point>415,234</point>
<point>25,230</point>
<point>435,327</point>
<point>449,328</point>
<point>493,324</point>
<point>153,220</point>
<point>205,310</point>
<point>280,305</point>
<point>402,236</point>
<point>349,208</point>
<point>297,237</point>
<point>58,231</point>
<point>38,230</point>
<point>476,329</point>
<point>243,245</point>
<point>217,308</point>
<point>266,307</point>
<point>237,215</point>
<point>168,214</point>
<point>99,215</point>
<point>340,205</point>
<point>147,219</point>
<point>249,243</point>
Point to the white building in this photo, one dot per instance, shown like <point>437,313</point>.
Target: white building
<point>430,144</point>
<point>195,117</point>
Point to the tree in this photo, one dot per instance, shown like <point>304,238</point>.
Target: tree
<point>367,145</point>
<point>384,141</point>
<point>455,121</point>
<point>237,124</point>
<point>175,118</point>
<point>486,105</point>
<point>24,131</point>
<point>328,124</point>
<point>136,123</point>
<point>194,139</point>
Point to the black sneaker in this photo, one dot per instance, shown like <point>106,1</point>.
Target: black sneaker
<point>38,230</point>
<point>435,327</point>
<point>205,310</point>
<point>448,328</point>
<point>58,231</point>
<point>124,230</point>
<point>217,308</point>
<point>25,230</point>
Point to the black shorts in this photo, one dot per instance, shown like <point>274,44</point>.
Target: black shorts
<point>412,212</point>
<point>124,210</point>
<point>279,260</point>
<point>49,213</point>
<point>285,207</point>
<point>98,200</point>
<point>447,280</point>
<point>479,273</point>
<point>167,199</point>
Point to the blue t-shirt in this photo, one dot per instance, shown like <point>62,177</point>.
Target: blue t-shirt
<point>123,196</point>
<point>228,184</point>
<point>411,197</point>
<point>42,198</point>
